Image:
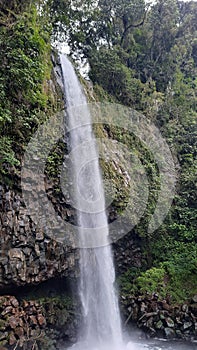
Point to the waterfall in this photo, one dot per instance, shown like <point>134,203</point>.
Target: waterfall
<point>101,328</point>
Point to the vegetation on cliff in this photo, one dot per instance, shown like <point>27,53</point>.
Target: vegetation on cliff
<point>145,57</point>
<point>25,71</point>
<point>142,56</point>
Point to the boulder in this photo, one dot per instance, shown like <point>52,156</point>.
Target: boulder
<point>169,333</point>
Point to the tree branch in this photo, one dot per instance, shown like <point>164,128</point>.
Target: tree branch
<point>132,26</point>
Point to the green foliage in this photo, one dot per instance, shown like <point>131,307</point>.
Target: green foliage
<point>109,71</point>
<point>151,281</point>
<point>181,268</point>
<point>182,233</point>
<point>25,66</point>
<point>154,70</point>
<point>61,302</point>
<point>175,276</point>
<point>7,154</point>
<point>55,160</point>
<point>127,281</point>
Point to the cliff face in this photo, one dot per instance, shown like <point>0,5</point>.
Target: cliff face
<point>30,93</point>
<point>27,255</point>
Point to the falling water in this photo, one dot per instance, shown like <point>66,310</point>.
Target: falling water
<point>101,327</point>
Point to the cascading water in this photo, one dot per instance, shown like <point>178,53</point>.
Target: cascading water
<point>101,319</point>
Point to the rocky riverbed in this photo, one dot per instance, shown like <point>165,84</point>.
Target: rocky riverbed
<point>51,323</point>
<point>160,345</point>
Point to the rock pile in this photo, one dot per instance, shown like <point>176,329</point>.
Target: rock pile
<point>20,324</point>
<point>159,318</point>
<point>36,324</point>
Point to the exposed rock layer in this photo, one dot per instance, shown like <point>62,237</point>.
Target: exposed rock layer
<point>30,324</point>
<point>158,318</point>
<point>27,256</point>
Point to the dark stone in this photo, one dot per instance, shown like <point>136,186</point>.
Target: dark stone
<point>169,333</point>
<point>169,322</point>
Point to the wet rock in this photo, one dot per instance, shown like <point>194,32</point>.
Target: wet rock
<point>162,315</point>
<point>24,247</point>
<point>187,325</point>
<point>143,307</point>
<point>193,308</point>
<point>3,335</point>
<point>185,308</point>
<point>13,322</point>
<point>194,299</point>
<point>165,305</point>
<point>169,322</point>
<point>179,334</point>
<point>19,331</point>
<point>195,327</point>
<point>169,333</point>
<point>149,323</point>
<point>16,253</point>
<point>41,320</point>
<point>14,302</point>
<point>159,325</point>
<point>12,339</point>
<point>33,320</point>
<point>2,325</point>
<point>39,236</point>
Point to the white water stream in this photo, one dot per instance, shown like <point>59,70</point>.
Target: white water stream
<point>101,318</point>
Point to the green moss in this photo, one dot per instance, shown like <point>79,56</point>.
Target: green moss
<point>152,281</point>
<point>55,160</point>
<point>126,281</point>
<point>61,301</point>
<point>176,277</point>
<point>102,95</point>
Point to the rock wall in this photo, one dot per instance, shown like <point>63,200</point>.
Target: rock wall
<point>36,324</point>
<point>27,255</point>
<point>127,253</point>
<point>52,322</point>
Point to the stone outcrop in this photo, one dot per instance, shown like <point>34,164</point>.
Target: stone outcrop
<point>158,318</point>
<point>127,253</point>
<point>30,324</point>
<point>52,322</point>
<point>20,323</point>
<point>27,255</point>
